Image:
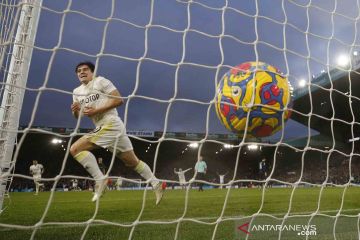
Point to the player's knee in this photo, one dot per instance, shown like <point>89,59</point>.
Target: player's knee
<point>131,163</point>
<point>74,150</point>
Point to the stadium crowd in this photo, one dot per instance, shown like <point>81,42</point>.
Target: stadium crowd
<point>283,165</point>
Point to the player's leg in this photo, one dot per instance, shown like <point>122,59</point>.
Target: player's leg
<point>80,150</point>
<point>131,160</point>
<point>41,185</point>
<point>201,177</point>
<point>106,137</point>
<point>182,183</point>
<point>124,151</point>
<point>36,187</point>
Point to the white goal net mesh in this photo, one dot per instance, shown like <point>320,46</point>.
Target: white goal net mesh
<point>167,58</point>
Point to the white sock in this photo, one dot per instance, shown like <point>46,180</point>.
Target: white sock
<point>88,161</point>
<point>144,170</point>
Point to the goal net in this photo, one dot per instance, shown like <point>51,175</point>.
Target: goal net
<point>200,80</point>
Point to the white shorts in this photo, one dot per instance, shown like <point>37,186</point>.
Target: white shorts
<point>182,181</point>
<point>106,135</point>
<point>37,178</point>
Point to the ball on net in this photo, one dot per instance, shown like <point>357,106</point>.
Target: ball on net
<point>253,92</point>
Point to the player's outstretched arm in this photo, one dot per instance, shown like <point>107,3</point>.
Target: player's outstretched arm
<point>187,170</point>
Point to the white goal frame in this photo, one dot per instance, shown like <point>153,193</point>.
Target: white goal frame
<point>14,89</point>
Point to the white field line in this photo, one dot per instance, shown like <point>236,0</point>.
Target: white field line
<point>59,225</point>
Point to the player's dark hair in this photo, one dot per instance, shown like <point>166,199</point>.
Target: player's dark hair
<point>87,63</point>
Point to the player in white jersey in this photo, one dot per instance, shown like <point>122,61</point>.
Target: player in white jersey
<point>75,184</point>
<point>36,169</point>
<point>119,183</point>
<point>222,178</point>
<point>97,98</point>
<point>181,175</point>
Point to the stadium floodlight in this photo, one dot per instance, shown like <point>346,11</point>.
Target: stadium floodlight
<point>355,53</point>
<point>193,145</point>
<point>343,60</point>
<point>253,147</point>
<point>56,141</point>
<point>302,83</point>
<point>228,146</point>
<point>354,139</point>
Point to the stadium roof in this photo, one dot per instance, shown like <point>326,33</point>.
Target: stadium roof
<point>333,105</point>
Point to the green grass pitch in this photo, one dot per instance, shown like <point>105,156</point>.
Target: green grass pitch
<point>193,215</point>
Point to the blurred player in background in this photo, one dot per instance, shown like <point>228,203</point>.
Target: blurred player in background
<point>75,185</point>
<point>101,165</point>
<point>97,98</point>
<point>119,183</point>
<point>181,175</point>
<point>221,178</point>
<point>36,169</point>
<point>263,169</point>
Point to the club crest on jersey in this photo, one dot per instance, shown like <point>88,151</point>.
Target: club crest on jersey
<point>91,98</point>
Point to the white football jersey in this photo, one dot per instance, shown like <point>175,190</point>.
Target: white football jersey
<point>93,95</point>
<point>36,169</point>
<point>222,177</point>
<point>119,182</point>
<point>181,177</point>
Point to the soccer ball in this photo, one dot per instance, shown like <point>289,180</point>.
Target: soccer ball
<point>253,92</point>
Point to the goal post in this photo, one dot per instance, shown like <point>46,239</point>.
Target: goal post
<point>8,14</point>
<point>16,77</point>
<point>119,183</point>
